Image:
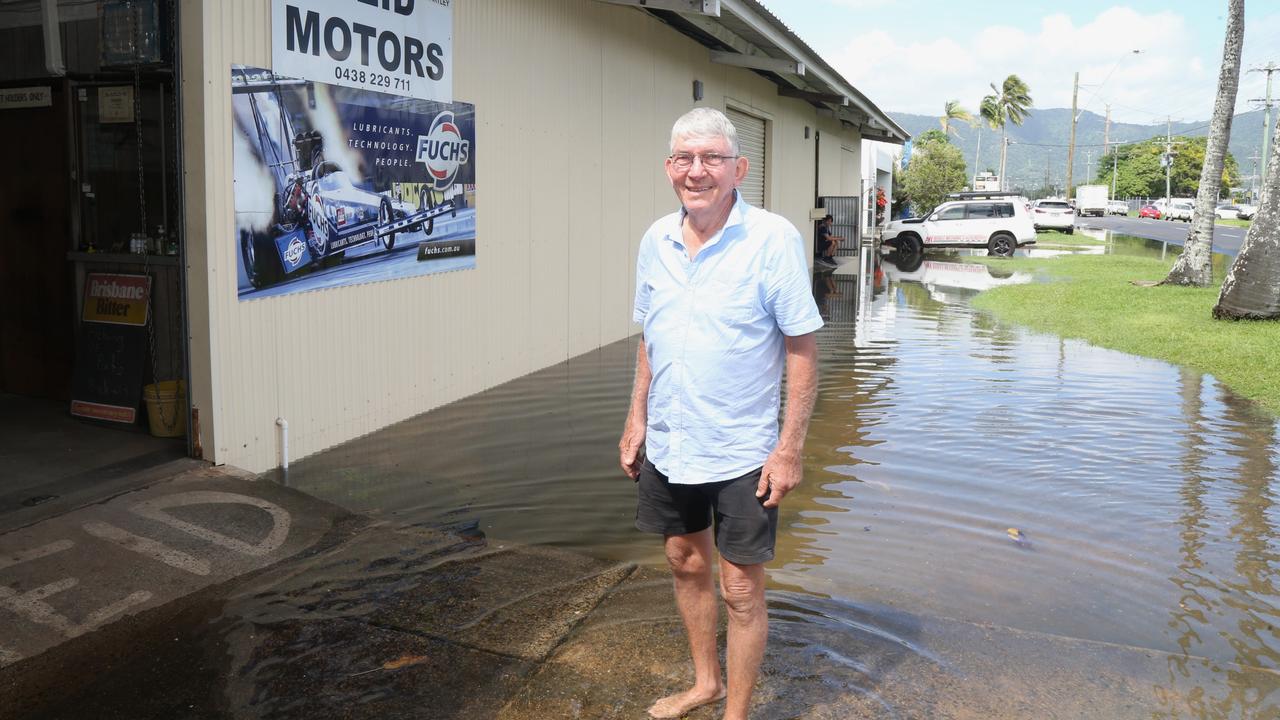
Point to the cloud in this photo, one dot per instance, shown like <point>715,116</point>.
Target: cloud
<point>904,72</point>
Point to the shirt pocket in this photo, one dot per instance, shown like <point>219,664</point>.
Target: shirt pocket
<point>732,302</point>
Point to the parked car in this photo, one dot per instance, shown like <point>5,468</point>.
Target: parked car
<point>1150,211</point>
<point>1180,210</point>
<point>1117,207</point>
<point>1227,211</point>
<point>1053,215</point>
<point>1246,212</point>
<point>997,221</point>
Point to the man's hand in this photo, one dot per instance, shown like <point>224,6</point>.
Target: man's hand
<point>780,475</point>
<point>631,449</point>
<point>631,446</point>
<point>785,467</point>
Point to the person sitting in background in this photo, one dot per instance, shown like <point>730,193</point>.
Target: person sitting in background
<point>827,243</point>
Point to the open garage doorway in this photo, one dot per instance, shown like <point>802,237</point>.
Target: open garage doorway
<point>90,247</point>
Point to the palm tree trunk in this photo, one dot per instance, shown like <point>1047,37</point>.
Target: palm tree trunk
<point>1252,288</point>
<point>1004,146</point>
<point>1195,265</point>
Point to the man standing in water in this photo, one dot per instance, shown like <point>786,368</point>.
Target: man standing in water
<point>723,291</point>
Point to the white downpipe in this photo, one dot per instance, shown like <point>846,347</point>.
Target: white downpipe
<point>284,443</point>
<point>53,61</point>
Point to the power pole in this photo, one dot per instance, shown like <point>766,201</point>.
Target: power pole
<point>1088,166</point>
<point>1266,116</point>
<point>1071,146</point>
<point>977,155</point>
<point>1115,163</point>
<point>1168,159</point>
<point>1106,132</point>
<point>1253,179</point>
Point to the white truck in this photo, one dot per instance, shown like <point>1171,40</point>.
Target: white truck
<point>1091,200</point>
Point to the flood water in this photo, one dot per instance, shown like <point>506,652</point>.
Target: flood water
<point>956,468</point>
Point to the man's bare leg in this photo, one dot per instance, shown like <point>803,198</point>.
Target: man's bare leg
<point>743,589</point>
<point>690,558</point>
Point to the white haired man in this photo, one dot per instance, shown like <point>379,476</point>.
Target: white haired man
<point>724,294</point>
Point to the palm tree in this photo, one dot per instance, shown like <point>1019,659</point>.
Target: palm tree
<point>1195,265</point>
<point>988,113</point>
<point>953,111</point>
<point>1010,103</point>
<point>1252,288</point>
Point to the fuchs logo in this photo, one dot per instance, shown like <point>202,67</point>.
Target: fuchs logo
<point>293,253</point>
<point>443,150</point>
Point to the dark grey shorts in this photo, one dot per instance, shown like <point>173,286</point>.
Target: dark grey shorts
<point>745,530</point>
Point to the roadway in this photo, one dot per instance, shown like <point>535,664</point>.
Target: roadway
<point>1226,239</point>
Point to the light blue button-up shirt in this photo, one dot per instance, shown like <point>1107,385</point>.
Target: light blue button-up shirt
<point>713,328</point>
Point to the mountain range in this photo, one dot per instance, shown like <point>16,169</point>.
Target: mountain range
<point>1039,145</point>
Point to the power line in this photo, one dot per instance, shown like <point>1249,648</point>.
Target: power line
<point>1113,142</point>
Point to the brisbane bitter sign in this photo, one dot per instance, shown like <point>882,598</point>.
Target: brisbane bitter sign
<point>400,47</point>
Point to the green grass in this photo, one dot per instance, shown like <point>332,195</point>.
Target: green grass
<point>1048,238</point>
<point>1235,223</point>
<point>1092,298</point>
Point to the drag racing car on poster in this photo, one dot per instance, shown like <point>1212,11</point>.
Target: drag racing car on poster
<point>341,215</point>
<point>317,212</point>
<point>325,214</point>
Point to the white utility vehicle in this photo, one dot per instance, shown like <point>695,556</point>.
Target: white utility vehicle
<point>997,221</point>
<point>1091,200</point>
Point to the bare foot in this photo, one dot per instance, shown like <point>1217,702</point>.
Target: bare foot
<point>678,705</point>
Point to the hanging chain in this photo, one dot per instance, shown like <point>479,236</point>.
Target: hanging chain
<point>136,28</point>
<point>171,237</point>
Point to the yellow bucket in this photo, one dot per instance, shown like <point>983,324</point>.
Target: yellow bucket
<point>166,408</point>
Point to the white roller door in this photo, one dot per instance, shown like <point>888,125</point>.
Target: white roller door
<point>751,145</point>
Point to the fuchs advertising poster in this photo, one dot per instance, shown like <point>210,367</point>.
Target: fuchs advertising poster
<point>337,186</point>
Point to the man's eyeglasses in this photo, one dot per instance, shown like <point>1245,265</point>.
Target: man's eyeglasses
<point>684,161</point>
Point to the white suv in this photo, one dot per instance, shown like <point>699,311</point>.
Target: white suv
<point>992,220</point>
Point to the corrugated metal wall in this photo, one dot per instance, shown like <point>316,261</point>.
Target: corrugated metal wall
<point>574,102</point>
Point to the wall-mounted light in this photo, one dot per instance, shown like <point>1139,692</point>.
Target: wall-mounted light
<point>697,90</point>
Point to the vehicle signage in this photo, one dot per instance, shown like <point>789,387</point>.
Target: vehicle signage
<point>443,150</point>
<point>353,239</point>
<point>399,47</point>
<point>294,252</point>
<point>342,216</point>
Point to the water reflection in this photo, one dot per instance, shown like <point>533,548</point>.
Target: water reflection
<point>1140,492</point>
<point>1209,600</point>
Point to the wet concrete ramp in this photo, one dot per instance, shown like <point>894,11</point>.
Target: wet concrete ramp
<point>408,623</point>
<point>833,661</point>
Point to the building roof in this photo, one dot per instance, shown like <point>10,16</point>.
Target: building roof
<point>744,33</point>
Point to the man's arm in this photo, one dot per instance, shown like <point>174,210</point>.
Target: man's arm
<point>631,446</point>
<point>785,467</point>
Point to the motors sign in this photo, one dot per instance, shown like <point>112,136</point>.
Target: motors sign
<point>400,47</point>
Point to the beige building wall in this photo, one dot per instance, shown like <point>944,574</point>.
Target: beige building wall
<point>574,102</point>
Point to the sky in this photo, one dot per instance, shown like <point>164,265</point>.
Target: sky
<point>914,55</point>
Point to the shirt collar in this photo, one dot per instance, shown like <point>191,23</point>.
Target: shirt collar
<point>737,216</point>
